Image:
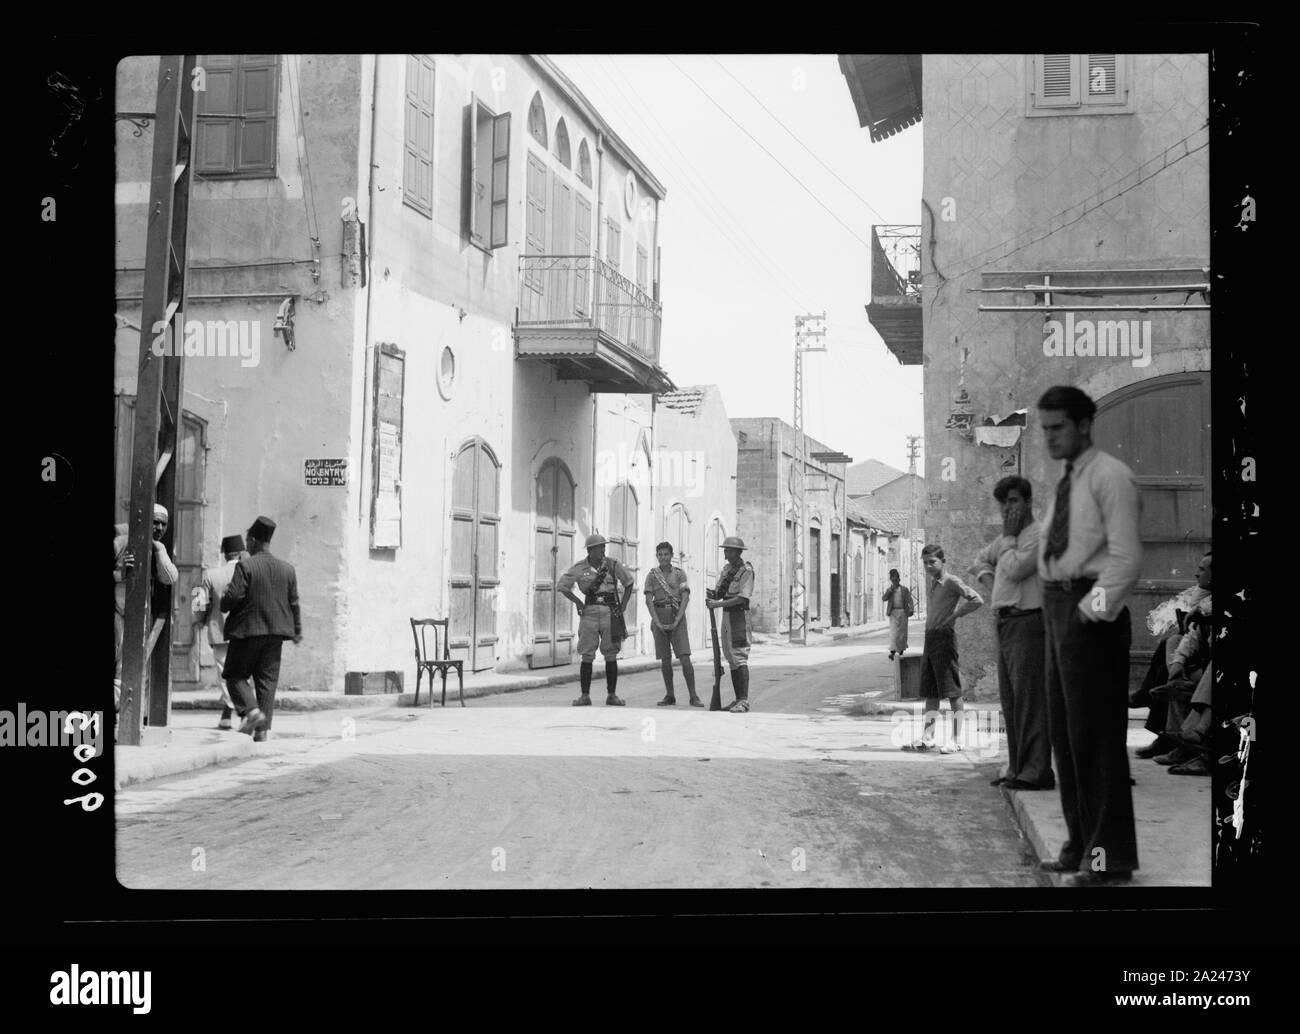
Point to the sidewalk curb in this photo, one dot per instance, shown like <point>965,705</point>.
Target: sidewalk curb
<point>131,769</point>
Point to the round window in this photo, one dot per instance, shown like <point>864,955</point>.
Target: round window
<point>446,372</point>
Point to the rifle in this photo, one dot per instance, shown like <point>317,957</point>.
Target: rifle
<point>715,702</point>
<point>617,622</point>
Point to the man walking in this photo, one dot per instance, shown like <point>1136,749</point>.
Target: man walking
<point>1008,568</point>
<point>599,611</point>
<point>1089,561</point>
<point>262,603</point>
<point>205,604</point>
<point>950,598</point>
<point>731,596</point>
<point>898,608</point>
<point>667,592</point>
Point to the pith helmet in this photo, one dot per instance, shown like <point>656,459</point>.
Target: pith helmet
<point>733,542</point>
<point>596,540</point>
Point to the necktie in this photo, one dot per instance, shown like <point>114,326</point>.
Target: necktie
<point>1058,536</point>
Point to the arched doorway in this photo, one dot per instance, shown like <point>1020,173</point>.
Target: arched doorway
<point>553,555</point>
<point>475,523</point>
<point>624,546</point>
<point>1161,428</point>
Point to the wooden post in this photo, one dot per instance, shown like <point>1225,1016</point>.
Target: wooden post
<point>158,398</point>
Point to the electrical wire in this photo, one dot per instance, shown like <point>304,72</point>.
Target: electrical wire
<point>300,144</point>
<point>711,207</point>
<point>796,139</point>
<point>806,189</point>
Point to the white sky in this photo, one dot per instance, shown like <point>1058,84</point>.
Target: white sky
<point>729,304</point>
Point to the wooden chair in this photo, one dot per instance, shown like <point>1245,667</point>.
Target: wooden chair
<point>432,663</point>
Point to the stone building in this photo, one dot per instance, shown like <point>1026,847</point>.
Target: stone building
<point>764,519</point>
<point>442,274</point>
<point>1065,241</point>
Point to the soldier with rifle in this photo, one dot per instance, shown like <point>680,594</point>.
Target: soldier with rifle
<point>731,597</point>
<point>600,615</point>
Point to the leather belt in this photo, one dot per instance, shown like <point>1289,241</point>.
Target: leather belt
<point>1014,612</point>
<point>603,599</point>
<point>1069,584</point>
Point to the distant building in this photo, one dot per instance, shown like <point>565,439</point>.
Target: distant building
<point>765,468</point>
<point>877,543</point>
<point>1061,193</point>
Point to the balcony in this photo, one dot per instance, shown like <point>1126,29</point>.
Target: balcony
<point>895,306</point>
<point>580,315</point>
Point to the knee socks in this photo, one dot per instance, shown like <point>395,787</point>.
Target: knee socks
<point>584,677</point>
<point>611,676</point>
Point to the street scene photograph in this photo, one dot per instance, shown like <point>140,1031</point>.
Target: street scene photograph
<point>666,472</point>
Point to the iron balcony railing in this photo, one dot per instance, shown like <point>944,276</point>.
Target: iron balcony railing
<point>585,291</point>
<point>895,262</point>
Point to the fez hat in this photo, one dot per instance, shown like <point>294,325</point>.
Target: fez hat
<point>232,544</point>
<point>732,542</point>
<point>262,529</point>
<point>596,540</point>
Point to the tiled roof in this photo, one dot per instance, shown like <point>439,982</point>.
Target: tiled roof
<point>892,521</point>
<point>684,400</point>
<point>869,475</point>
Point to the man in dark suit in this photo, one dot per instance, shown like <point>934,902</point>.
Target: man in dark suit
<point>261,604</point>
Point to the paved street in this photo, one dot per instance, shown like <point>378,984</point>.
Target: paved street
<point>523,791</point>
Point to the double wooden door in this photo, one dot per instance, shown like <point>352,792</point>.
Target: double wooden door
<point>553,551</point>
<point>475,528</point>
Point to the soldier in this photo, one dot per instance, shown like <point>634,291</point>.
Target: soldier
<point>731,596</point>
<point>667,592</point>
<point>599,624</point>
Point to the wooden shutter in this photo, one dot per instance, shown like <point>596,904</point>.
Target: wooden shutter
<point>1100,79</point>
<point>470,183</point>
<point>386,469</point>
<point>218,109</point>
<point>535,218</point>
<point>642,263</point>
<point>1056,81</point>
<point>613,243</point>
<point>257,99</point>
<point>582,246</point>
<point>417,170</point>
<point>500,180</point>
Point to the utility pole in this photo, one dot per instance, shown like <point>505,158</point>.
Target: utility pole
<point>798,484</point>
<point>158,400</point>
<point>913,447</point>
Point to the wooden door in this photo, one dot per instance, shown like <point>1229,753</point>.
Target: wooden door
<point>562,281</point>
<point>535,221</point>
<point>713,561</point>
<point>1161,429</point>
<point>553,548</point>
<point>624,546</point>
<point>582,246</point>
<point>474,581</point>
<point>814,587</point>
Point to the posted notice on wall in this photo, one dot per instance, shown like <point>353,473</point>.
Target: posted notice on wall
<point>329,473</point>
<point>388,498</point>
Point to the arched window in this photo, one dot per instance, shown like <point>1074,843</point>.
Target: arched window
<point>562,144</point>
<point>584,163</point>
<point>537,120</point>
<point>624,537</point>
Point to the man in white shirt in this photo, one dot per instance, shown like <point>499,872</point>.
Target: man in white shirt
<point>1008,568</point>
<point>1089,559</point>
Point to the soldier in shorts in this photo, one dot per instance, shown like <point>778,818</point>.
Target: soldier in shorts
<point>731,596</point>
<point>666,596</point>
<point>598,577</point>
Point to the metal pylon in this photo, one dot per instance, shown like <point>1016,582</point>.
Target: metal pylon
<point>798,483</point>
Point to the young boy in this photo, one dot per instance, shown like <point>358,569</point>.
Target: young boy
<point>667,592</point>
<point>949,598</point>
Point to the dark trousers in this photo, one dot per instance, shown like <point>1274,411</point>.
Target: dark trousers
<point>1023,691</point>
<point>258,658</point>
<point>1087,707</point>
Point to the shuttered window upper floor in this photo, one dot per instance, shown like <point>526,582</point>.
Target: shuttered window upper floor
<point>237,112</point>
<point>1078,84</point>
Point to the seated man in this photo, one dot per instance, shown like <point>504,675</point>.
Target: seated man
<point>1188,692</point>
<point>1197,728</point>
<point>1168,621</point>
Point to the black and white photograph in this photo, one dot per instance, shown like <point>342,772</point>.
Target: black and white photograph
<point>667,474</point>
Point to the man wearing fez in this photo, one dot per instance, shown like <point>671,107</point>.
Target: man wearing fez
<point>205,604</point>
<point>262,605</point>
<point>598,577</point>
<point>731,596</point>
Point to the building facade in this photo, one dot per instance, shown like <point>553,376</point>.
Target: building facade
<point>443,275</point>
<point>1065,240</point>
<point>765,470</point>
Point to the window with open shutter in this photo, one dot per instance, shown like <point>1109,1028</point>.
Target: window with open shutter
<point>1092,84</point>
<point>487,175</point>
<point>417,171</point>
<point>236,132</point>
